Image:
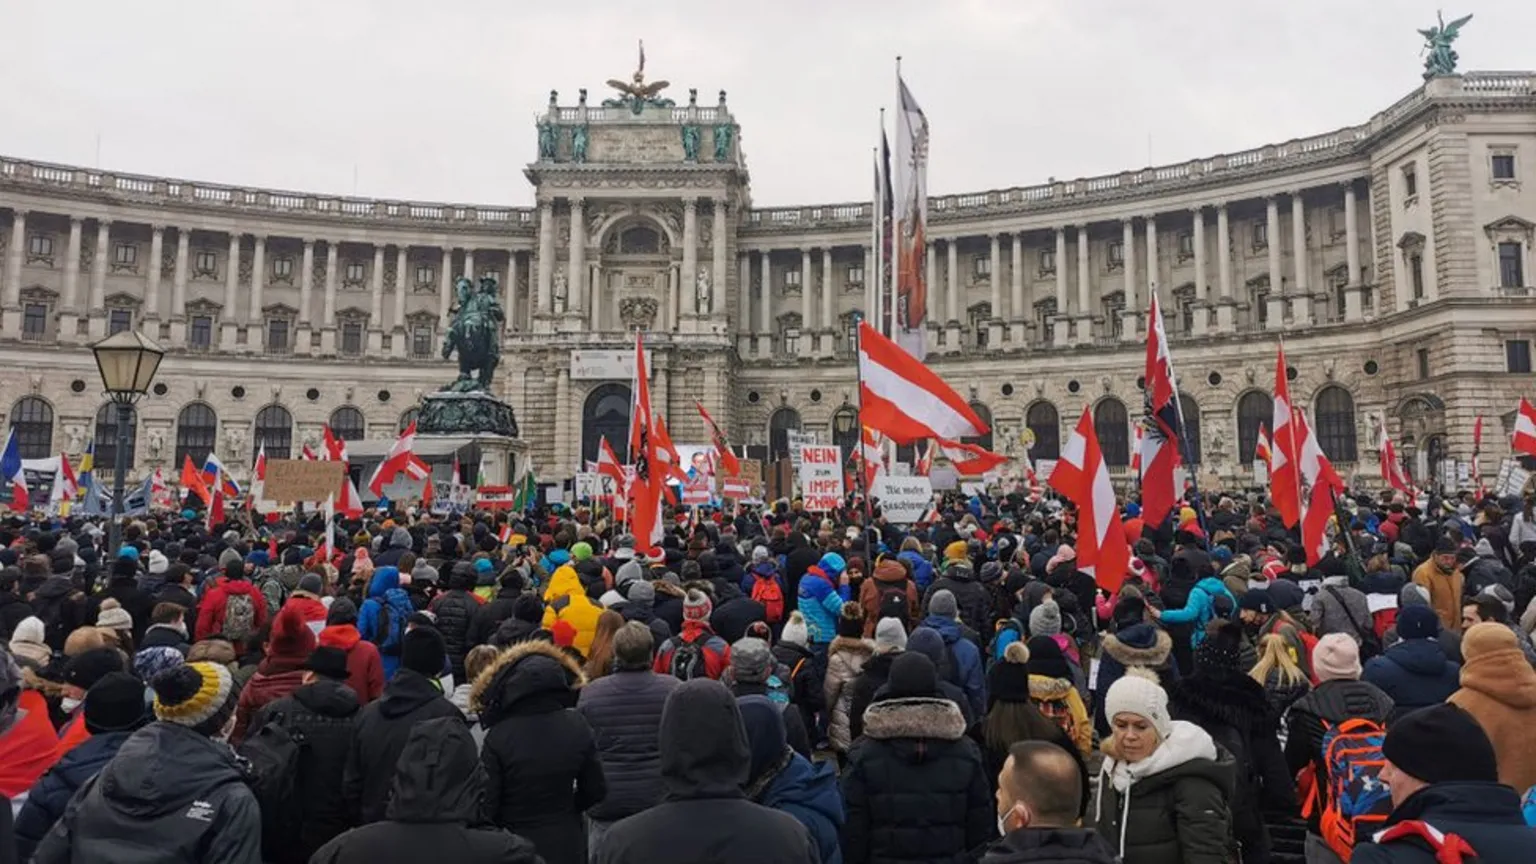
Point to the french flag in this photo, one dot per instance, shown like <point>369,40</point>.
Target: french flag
<point>11,472</point>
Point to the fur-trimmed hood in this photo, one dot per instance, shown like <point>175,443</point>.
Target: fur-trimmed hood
<point>1229,700</point>
<point>532,677</point>
<point>865,647</point>
<point>1048,689</point>
<point>914,717</point>
<point>1141,645</point>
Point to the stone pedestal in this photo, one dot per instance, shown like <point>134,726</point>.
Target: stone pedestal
<point>1301,310</point>
<point>1130,324</point>
<point>375,343</point>
<point>952,337</point>
<point>227,331</point>
<point>1060,332</point>
<point>1274,318</point>
<point>1226,317</point>
<point>96,325</point>
<point>10,322</point>
<point>399,343</point>
<point>1354,303</point>
<point>328,342</point>
<point>179,331</point>
<point>302,339</point>
<point>1018,333</point>
<point>994,334</point>
<point>1201,323</point>
<point>475,412</point>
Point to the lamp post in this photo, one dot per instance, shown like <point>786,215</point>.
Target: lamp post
<point>128,361</point>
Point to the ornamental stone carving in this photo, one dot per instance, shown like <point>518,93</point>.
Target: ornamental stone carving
<point>156,443</point>
<point>637,312</point>
<point>234,442</point>
<point>702,291</point>
<point>75,436</point>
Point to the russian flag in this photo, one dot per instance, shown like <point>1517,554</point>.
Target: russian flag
<point>11,472</point>
<point>214,473</point>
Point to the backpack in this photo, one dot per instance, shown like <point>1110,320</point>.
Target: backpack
<point>239,617</point>
<point>1370,643</point>
<point>274,754</point>
<point>274,592</point>
<point>1351,801</point>
<point>687,660</point>
<point>778,688</point>
<point>383,635</point>
<point>893,602</point>
<point>767,591</point>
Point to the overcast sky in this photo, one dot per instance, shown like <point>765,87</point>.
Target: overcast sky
<point>436,101</point>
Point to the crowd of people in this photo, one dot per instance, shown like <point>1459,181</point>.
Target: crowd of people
<point>771,685</point>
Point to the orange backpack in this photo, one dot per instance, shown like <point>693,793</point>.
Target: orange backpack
<point>1350,799</point>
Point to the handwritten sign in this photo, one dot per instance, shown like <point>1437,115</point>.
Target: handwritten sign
<point>903,500</point>
<point>821,477</point>
<point>290,480</point>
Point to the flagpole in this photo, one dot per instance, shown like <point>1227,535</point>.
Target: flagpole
<point>876,217</point>
<point>858,418</point>
<point>894,286</point>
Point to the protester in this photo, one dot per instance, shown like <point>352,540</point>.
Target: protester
<point>1135,643</point>
<point>281,671</point>
<point>1013,718</point>
<point>846,657</point>
<point>788,781</point>
<point>890,592</point>
<point>1498,689</point>
<point>1038,790</point>
<point>1414,673</point>
<point>231,607</point>
<point>1276,670</point>
<point>365,667</point>
<point>1441,575</point>
<point>890,641</point>
<point>695,652</point>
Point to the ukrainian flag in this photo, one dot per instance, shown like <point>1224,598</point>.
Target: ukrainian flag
<point>84,478</point>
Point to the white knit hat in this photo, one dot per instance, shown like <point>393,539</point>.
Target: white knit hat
<point>1134,694</point>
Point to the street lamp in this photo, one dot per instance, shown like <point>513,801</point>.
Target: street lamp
<point>128,361</point>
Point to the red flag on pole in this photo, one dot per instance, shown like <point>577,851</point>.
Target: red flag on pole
<point>728,460</point>
<point>1082,476</point>
<point>1163,428</point>
<point>1284,481</point>
<point>650,476</point>
<point>192,481</point>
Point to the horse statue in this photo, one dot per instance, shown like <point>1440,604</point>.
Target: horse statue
<point>476,334</point>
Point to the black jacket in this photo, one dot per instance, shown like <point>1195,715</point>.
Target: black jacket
<point>164,636</point>
<point>169,783</point>
<point>135,601</point>
<point>624,711</point>
<point>730,619</point>
<point>541,765</point>
<point>799,557</point>
<point>455,611</point>
<point>1050,846</point>
<point>1486,815</point>
<point>325,714</point>
<point>51,793</point>
<point>705,760</point>
<point>382,730</point>
<point>1328,704</point>
<point>914,787</point>
<point>436,795</point>
<point>181,597</point>
<point>862,690</point>
<point>62,608</point>
<point>13,610</point>
<point>1415,673</point>
<point>489,617</point>
<point>972,599</point>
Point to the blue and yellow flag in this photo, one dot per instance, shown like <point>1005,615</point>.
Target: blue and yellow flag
<point>85,479</point>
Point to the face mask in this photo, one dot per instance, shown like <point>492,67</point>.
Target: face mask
<point>69,705</point>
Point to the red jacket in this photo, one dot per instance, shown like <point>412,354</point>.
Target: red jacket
<point>365,668</point>
<point>210,610</point>
<point>717,653</point>
<point>309,609</point>
<point>270,683</point>
<point>27,749</point>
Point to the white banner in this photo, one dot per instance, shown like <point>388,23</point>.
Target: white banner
<point>593,364</point>
<point>821,478</point>
<point>903,500</point>
<point>797,440</point>
<point>590,485</point>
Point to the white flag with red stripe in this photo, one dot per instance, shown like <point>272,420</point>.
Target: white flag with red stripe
<point>1261,448</point>
<point>906,400</point>
<point>969,460</point>
<point>401,457</point>
<point>924,463</point>
<point>1391,467</point>
<point>1524,439</point>
<point>1322,485</point>
<point>1082,476</point>
<point>1162,430</point>
<point>1284,482</point>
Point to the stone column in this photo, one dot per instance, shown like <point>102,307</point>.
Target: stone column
<point>1301,294</point>
<point>1084,287</point>
<point>1128,315</point>
<point>1017,314</point>
<point>743,303</point>
<point>227,320</point>
<point>508,292</point>
<point>931,279</point>
<point>69,311</point>
<point>179,287</point>
<point>332,276</point>
<point>1202,290</point>
<point>1353,294</point>
<point>152,283</point>
<point>11,313</point>
<point>399,336</point>
<point>828,307</point>
<point>576,260</point>
<point>807,305</point>
<point>1154,268</point>
<point>1060,326</point>
<point>97,311</point>
<point>469,266</point>
<point>765,303</point>
<point>1275,319</point>
<point>301,334</point>
<point>872,307</point>
<point>594,298</point>
<point>1225,320</point>
<point>546,262</point>
<point>995,276</point>
<point>564,413</point>
<point>690,270</point>
<point>952,297</point>
<point>258,274</point>
<point>445,290</point>
<point>376,303</point>
<point>717,237</point>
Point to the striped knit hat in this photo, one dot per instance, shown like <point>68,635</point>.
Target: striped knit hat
<point>199,695</point>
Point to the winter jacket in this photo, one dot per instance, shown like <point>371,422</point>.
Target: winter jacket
<point>862,690</point>
<point>807,791</point>
<point>1142,645</point>
<point>922,570</point>
<point>1444,593</point>
<point>28,748</point>
<point>489,617</point>
<point>845,660</point>
<point>455,611</point>
<point>365,668</point>
<point>399,544</point>
<point>799,556</point>
<point>382,730</point>
<point>1171,807</point>
<point>274,679</point>
<point>732,617</point>
<point>821,601</point>
<point>889,576</point>
<point>1055,697</point>
<point>210,610</point>
<point>164,636</point>
<point>541,763</point>
<point>1486,815</point>
<point>278,583</point>
<point>382,616</point>
<point>705,761</point>
<point>172,794</point>
<point>51,794</point>
<point>1415,674</point>
<point>717,653</point>
<point>1341,609</point>
<point>435,794</point>
<point>13,610</point>
<point>624,711</point>
<point>566,600</point>
<point>1498,688</point>
<point>325,713</point>
<point>1050,846</point>
<point>61,607</point>
<point>914,786</point>
<point>135,601</point>
<point>972,599</point>
<point>968,672</point>
<point>183,598</point>
<point>1328,704</point>
<point>1200,608</point>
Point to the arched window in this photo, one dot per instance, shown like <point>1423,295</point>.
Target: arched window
<point>985,413</point>
<point>347,423</point>
<point>1044,422</point>
<point>639,240</point>
<point>845,431</point>
<point>1253,409</point>
<point>606,415</point>
<point>1191,410</point>
<point>106,436</point>
<point>1113,427</point>
<point>197,431</point>
<point>779,426</point>
<point>274,428</point>
<point>1334,412</point>
<point>408,418</point>
<point>32,422</point>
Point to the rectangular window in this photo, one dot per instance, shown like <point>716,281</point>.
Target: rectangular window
<point>981,266</point>
<point>792,341</point>
<point>1047,261</point>
<point>201,335</point>
<point>1422,356</point>
<point>425,274</point>
<point>791,278</point>
<point>34,321</point>
<point>421,341</point>
<point>1503,166</point>
<point>354,272</point>
<point>125,255</point>
<point>1416,273</point>
<point>1260,235</point>
<point>282,268</point>
<point>1186,244</point>
<point>1410,180</point>
<point>119,320</point>
<point>277,336</point>
<point>1116,253</point>
<point>40,245</point>
<point>207,263</point>
<point>1511,264</point>
<point>855,275</point>
<point>1517,356</point>
<point>352,337</point>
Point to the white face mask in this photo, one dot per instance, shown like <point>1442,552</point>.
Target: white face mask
<point>69,705</point>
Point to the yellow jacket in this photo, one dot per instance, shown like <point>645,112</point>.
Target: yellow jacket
<point>579,611</point>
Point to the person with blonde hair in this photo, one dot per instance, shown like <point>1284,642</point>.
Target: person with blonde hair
<point>1284,681</point>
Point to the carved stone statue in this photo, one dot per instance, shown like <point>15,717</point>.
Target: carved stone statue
<point>690,142</point>
<point>547,140</point>
<point>76,437</point>
<point>579,144</point>
<point>637,312</point>
<point>635,94</point>
<point>702,291</point>
<point>234,442</point>
<point>1440,59</point>
<point>725,134</point>
<point>156,443</point>
<point>559,288</point>
<point>476,334</point>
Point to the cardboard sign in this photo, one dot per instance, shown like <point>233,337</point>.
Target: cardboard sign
<point>1260,472</point>
<point>821,477</point>
<point>1511,479</point>
<point>290,480</point>
<point>903,500</point>
<point>591,485</point>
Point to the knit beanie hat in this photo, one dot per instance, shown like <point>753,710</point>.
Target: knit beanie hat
<point>1499,593</point>
<point>198,695</point>
<point>850,622</point>
<point>151,661</point>
<point>1220,652</point>
<point>1045,619</point>
<point>928,642</point>
<point>113,616</point>
<point>912,675</point>
<point>29,641</point>
<point>1008,680</point>
<point>1418,622</point>
<point>697,606</point>
<point>1133,694</point>
<point>1412,594</point>
<point>341,611</point>
<point>890,636</point>
<point>751,661</point>
<point>158,562</point>
<point>1486,638</point>
<point>422,651</point>
<point>1046,658</point>
<point>581,551</point>
<point>956,551</point>
<point>1257,600</point>
<point>1441,744</point>
<point>311,583</point>
<point>795,631</point>
<point>1337,657</point>
<point>943,604</point>
<point>115,703</point>
<point>291,639</point>
<point>85,669</point>
<point>641,591</point>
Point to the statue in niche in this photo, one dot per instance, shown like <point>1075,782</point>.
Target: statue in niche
<point>156,444</point>
<point>547,140</point>
<point>234,442</point>
<point>702,291</point>
<point>690,142</point>
<point>725,134</point>
<point>76,438</point>
<point>559,288</point>
<point>579,144</point>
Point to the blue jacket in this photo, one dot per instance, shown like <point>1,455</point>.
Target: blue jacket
<point>1486,815</point>
<point>384,590</point>
<point>972,679</point>
<point>820,602</point>
<point>922,571</point>
<point>809,792</point>
<point>1415,673</point>
<point>51,793</point>
<point>1200,608</point>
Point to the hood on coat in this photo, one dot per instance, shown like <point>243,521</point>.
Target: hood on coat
<point>1187,751</point>
<point>241,586</point>
<point>1424,657</point>
<point>949,628</point>
<point>439,777</point>
<point>1504,676</point>
<point>1047,689</point>
<point>529,676</point>
<point>328,698</point>
<point>55,587</point>
<point>1214,587</point>
<point>703,742</point>
<point>914,717</point>
<point>407,692</point>
<point>165,767</point>
<point>400,538</point>
<point>342,636</point>
<point>1143,644</point>
<point>564,582</point>
<point>890,571</point>
<point>806,784</point>
<point>385,579</point>
<point>866,647</point>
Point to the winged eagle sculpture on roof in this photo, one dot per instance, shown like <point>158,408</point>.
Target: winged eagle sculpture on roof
<point>635,94</point>
<point>1440,59</point>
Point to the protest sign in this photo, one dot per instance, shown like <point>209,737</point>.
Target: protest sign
<point>821,477</point>
<point>292,480</point>
<point>903,500</point>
